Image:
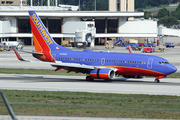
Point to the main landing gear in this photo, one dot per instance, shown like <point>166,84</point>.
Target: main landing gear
<point>89,78</point>
<point>156,80</point>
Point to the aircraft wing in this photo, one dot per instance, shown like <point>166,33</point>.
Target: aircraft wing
<point>62,65</point>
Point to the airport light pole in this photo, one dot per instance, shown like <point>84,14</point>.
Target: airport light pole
<point>10,110</point>
<point>95,5</point>
<point>79,5</point>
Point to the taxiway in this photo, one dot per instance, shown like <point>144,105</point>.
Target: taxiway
<point>167,86</point>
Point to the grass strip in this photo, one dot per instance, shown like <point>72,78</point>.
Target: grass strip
<point>38,71</point>
<point>82,104</point>
<point>52,72</point>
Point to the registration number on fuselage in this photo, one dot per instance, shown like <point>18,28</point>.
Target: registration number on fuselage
<point>63,54</point>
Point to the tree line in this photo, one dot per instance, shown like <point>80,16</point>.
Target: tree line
<point>152,3</point>
<point>88,5</point>
<point>164,16</point>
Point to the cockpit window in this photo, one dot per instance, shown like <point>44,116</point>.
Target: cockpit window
<point>163,62</point>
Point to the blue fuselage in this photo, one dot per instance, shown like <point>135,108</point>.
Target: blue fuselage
<point>125,63</point>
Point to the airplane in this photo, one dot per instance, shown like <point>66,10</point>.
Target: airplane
<point>97,65</point>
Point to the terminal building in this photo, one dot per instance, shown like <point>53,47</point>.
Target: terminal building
<point>60,20</point>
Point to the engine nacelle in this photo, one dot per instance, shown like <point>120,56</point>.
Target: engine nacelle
<point>129,76</point>
<point>103,73</point>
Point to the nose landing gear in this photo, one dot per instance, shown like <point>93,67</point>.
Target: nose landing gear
<point>157,79</point>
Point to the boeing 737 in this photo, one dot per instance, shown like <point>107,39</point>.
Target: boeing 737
<point>97,65</point>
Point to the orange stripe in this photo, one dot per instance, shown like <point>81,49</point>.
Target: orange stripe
<point>43,44</point>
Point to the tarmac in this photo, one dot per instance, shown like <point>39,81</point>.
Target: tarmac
<point>9,60</point>
<point>167,86</point>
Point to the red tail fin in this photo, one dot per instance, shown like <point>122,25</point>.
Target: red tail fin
<point>43,42</point>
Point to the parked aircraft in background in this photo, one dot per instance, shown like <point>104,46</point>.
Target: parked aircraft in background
<point>98,65</point>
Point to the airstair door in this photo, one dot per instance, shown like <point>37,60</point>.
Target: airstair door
<point>149,63</point>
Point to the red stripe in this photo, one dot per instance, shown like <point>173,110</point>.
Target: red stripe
<point>46,50</point>
<point>94,75</point>
<point>122,70</point>
<point>104,76</point>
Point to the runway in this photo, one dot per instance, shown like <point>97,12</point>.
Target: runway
<point>8,58</point>
<point>167,86</point>
<point>78,83</point>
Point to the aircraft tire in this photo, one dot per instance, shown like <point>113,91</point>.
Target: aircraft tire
<point>89,78</point>
<point>157,81</point>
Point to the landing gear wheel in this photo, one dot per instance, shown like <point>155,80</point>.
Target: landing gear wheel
<point>156,81</point>
<point>89,78</point>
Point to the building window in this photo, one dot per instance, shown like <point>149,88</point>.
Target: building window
<point>100,26</point>
<point>2,2</point>
<point>112,26</point>
<point>24,26</point>
<point>9,2</point>
<point>126,5</point>
<point>118,5</point>
<point>54,25</point>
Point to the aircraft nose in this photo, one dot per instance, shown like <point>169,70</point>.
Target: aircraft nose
<point>171,69</point>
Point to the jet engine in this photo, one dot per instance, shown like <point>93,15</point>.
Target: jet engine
<point>102,73</point>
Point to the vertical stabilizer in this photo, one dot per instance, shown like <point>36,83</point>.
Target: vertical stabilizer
<point>43,42</point>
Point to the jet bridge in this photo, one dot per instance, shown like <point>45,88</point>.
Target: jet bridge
<point>162,31</point>
<point>86,37</point>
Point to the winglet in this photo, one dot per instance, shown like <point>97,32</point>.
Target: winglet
<point>18,55</point>
<point>130,49</point>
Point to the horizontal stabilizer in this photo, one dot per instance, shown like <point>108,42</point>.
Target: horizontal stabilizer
<point>18,55</point>
<point>37,53</point>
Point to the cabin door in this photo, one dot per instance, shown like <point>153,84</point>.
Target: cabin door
<point>54,56</point>
<point>103,61</point>
<point>149,63</point>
